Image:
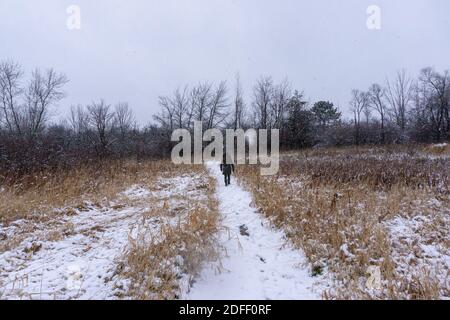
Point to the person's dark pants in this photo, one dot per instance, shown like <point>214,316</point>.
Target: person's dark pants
<point>227,179</point>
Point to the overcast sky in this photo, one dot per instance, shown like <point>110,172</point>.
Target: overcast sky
<point>136,50</point>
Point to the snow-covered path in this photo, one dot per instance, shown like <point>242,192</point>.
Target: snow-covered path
<point>258,264</point>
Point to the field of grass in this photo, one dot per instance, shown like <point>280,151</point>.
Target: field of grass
<point>352,208</point>
<point>137,230</point>
<point>146,229</point>
<point>174,239</point>
<point>37,196</point>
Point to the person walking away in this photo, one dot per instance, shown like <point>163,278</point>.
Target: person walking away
<point>226,169</point>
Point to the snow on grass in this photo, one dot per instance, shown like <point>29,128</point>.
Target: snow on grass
<point>77,255</point>
<point>79,264</point>
<point>160,263</point>
<point>258,262</point>
<point>340,210</point>
<point>420,249</point>
<point>136,192</point>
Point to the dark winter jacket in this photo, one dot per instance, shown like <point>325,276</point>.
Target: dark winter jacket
<point>226,168</point>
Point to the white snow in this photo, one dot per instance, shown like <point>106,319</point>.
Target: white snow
<point>416,248</point>
<point>260,265</point>
<point>79,266</point>
<point>82,260</point>
<point>440,145</point>
<point>136,192</point>
<point>81,263</point>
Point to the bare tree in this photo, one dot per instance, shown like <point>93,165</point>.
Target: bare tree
<point>79,119</point>
<point>181,107</point>
<point>377,96</point>
<point>10,92</point>
<point>201,96</point>
<point>218,111</point>
<point>359,104</point>
<point>123,124</point>
<point>434,94</point>
<point>123,118</point>
<point>101,120</point>
<point>398,95</point>
<point>263,94</point>
<point>239,104</point>
<point>44,90</point>
<point>281,96</point>
<point>166,118</point>
<point>367,111</point>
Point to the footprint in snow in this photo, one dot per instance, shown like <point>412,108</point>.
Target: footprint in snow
<point>261,259</point>
<point>243,229</point>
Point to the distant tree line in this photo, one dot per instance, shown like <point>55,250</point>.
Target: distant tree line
<point>30,141</point>
<point>402,110</point>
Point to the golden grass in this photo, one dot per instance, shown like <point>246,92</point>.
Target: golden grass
<point>42,195</point>
<point>334,206</point>
<point>442,149</point>
<point>175,236</point>
<point>156,263</point>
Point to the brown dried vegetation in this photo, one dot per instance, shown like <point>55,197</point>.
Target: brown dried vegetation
<point>337,205</point>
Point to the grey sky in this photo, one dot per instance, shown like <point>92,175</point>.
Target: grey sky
<point>137,50</point>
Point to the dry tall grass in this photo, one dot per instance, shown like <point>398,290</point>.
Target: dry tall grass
<point>160,262</point>
<point>336,204</point>
<point>42,195</point>
<point>175,235</point>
